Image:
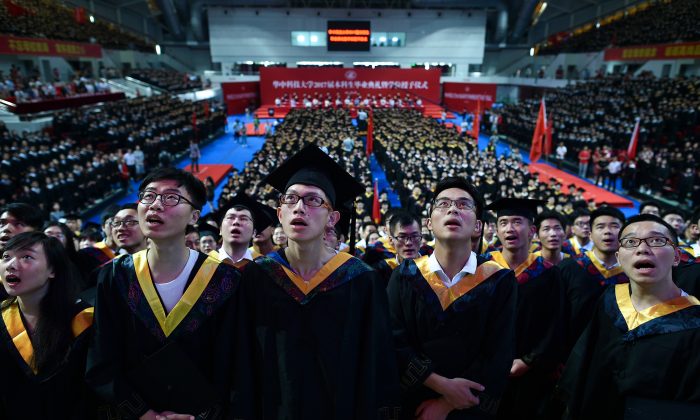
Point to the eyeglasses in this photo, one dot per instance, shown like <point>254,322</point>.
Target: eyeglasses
<point>127,223</point>
<point>460,204</point>
<point>408,238</point>
<point>654,242</point>
<point>582,224</point>
<point>168,199</point>
<point>308,200</point>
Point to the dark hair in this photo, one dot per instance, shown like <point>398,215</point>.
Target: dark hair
<point>402,219</point>
<point>54,334</point>
<point>225,208</point>
<point>650,218</point>
<point>191,229</point>
<point>676,211</point>
<point>462,184</point>
<point>645,204</point>
<point>128,206</point>
<point>92,234</point>
<point>67,233</point>
<point>109,213</point>
<point>203,233</point>
<point>25,213</point>
<point>192,185</point>
<point>365,224</point>
<point>607,211</point>
<point>548,214</point>
<point>579,212</point>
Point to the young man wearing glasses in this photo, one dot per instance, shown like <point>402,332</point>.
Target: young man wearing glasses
<point>320,316</point>
<point>540,303</point>
<point>405,239</point>
<point>580,241</point>
<point>586,275</point>
<point>638,355</point>
<point>170,330</point>
<point>126,231</point>
<point>453,316</point>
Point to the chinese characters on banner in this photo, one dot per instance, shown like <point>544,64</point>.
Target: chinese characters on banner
<point>47,47</point>
<point>276,81</point>
<point>654,52</point>
<point>460,97</point>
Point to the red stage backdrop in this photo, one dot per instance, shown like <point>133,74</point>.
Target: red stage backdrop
<point>465,96</point>
<point>239,95</point>
<point>47,47</point>
<point>654,52</point>
<point>276,81</point>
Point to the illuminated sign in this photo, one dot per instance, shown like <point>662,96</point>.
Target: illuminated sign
<point>344,35</point>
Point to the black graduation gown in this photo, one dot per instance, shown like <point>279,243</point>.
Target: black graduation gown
<point>324,347</point>
<point>618,358</point>
<point>539,336</point>
<point>584,280</point>
<point>211,334</point>
<point>384,268</point>
<point>57,392</point>
<point>687,277</point>
<point>466,331</point>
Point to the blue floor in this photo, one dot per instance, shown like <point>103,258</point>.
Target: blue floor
<point>221,150</point>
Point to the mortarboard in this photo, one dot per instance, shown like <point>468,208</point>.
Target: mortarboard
<point>263,216</point>
<point>311,166</point>
<point>516,207</point>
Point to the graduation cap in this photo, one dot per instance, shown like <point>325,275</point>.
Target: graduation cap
<point>311,166</point>
<point>524,207</point>
<point>571,186</point>
<point>263,216</point>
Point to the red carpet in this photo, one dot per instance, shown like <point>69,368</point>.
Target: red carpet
<point>429,110</point>
<point>216,171</point>
<point>600,195</point>
<point>250,129</point>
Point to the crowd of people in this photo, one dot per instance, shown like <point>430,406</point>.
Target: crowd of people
<point>171,80</point>
<point>661,22</point>
<point>350,101</point>
<point>18,88</point>
<point>51,19</point>
<point>600,115</point>
<point>90,153</point>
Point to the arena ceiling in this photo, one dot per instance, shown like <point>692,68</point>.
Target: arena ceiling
<point>508,21</point>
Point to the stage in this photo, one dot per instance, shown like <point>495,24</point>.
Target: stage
<point>216,171</point>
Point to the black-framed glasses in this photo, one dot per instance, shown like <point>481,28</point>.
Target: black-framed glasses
<point>168,199</point>
<point>308,200</point>
<point>654,242</point>
<point>408,238</point>
<point>461,204</point>
<point>126,223</point>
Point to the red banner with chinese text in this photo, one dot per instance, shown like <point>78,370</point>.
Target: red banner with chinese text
<point>460,97</point>
<point>47,47</point>
<point>277,81</point>
<point>239,95</point>
<point>654,52</point>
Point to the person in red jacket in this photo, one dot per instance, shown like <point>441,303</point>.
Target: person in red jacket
<point>584,156</point>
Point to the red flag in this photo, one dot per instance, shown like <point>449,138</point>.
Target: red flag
<point>194,120</point>
<point>369,146</point>
<point>79,15</point>
<point>15,10</point>
<point>536,149</point>
<point>207,110</point>
<point>548,137</point>
<point>632,148</point>
<point>476,122</point>
<point>376,214</point>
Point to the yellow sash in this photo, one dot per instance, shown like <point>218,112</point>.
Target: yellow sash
<point>187,301</point>
<point>104,248</point>
<point>604,271</point>
<point>328,268</point>
<point>447,295</point>
<point>391,262</point>
<point>498,257</point>
<point>20,337</point>
<point>634,318</point>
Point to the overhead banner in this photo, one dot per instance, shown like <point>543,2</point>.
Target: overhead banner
<point>460,97</point>
<point>240,95</point>
<point>48,47</point>
<point>654,52</point>
<point>275,82</point>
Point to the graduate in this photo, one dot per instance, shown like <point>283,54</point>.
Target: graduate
<point>540,302</point>
<point>586,275</point>
<point>126,230</point>
<point>321,318</point>
<point>580,241</point>
<point>171,334</point>
<point>405,239</point>
<point>262,240</point>
<point>44,333</point>
<point>550,230</point>
<point>242,218</point>
<point>453,316</point>
<point>638,356</point>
